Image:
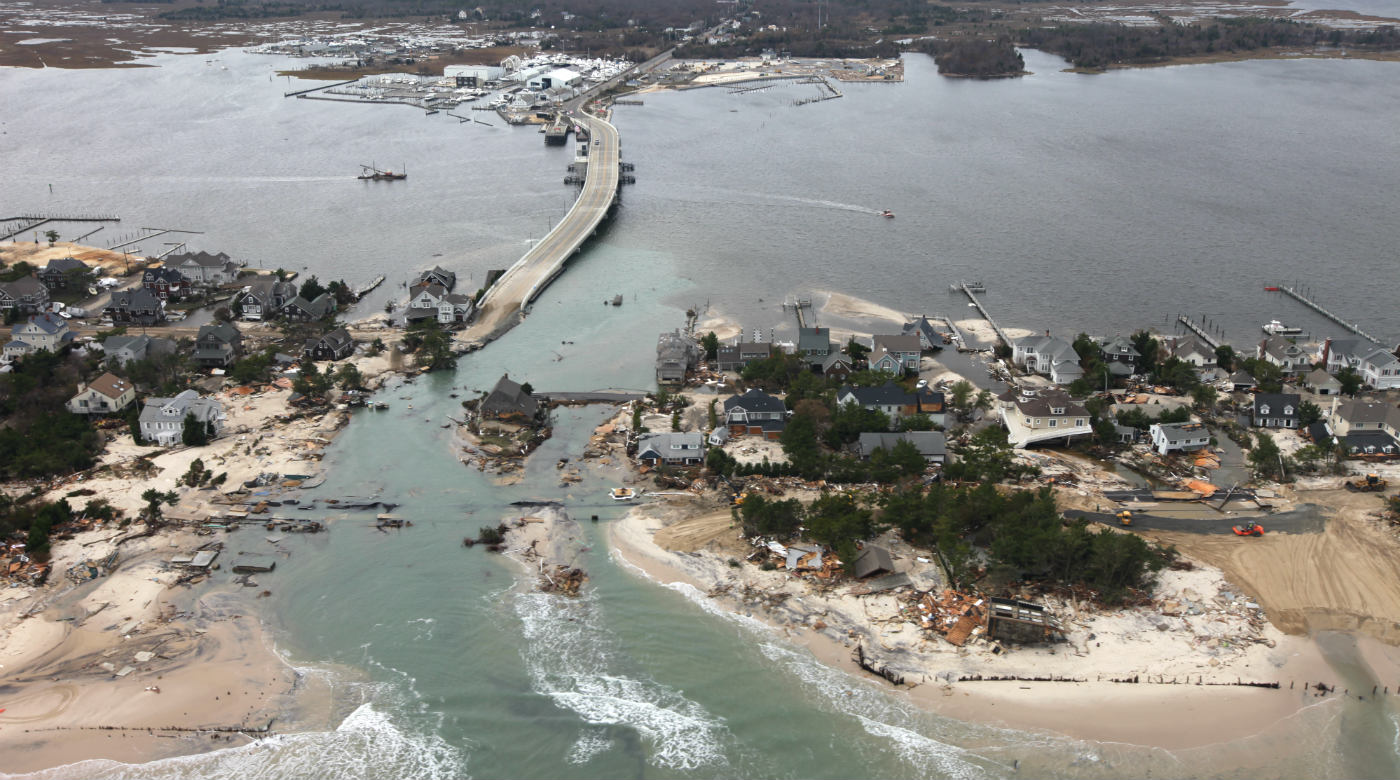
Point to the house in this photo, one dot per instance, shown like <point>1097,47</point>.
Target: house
<point>265,298</point>
<point>299,309</point>
<point>436,275</point>
<point>671,449</point>
<point>1120,349</point>
<point>1178,437</point>
<point>166,283</point>
<point>1283,353</point>
<point>509,401</point>
<point>1190,350</point>
<point>814,344</point>
<point>890,399</point>
<point>896,354</point>
<point>872,561</point>
<point>217,345</point>
<point>1379,369</point>
<point>930,338</point>
<point>1349,417</point>
<point>930,444</point>
<point>836,366</point>
<point>755,413</point>
<point>202,269</point>
<point>425,301</point>
<point>677,354</point>
<point>163,419</point>
<point>26,295</point>
<point>931,403</point>
<point>1126,434</point>
<point>39,332</point>
<point>121,350</point>
<point>137,306</point>
<point>60,270</point>
<point>1275,410</point>
<point>1337,354</point>
<point>455,308</point>
<point>1242,382</point>
<point>718,437</point>
<point>332,345</point>
<point>1034,416</point>
<point>736,357</point>
<point>107,394</point>
<point>1322,383</point>
<point>1053,357</point>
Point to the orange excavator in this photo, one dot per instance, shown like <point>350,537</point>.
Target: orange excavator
<point>1249,529</point>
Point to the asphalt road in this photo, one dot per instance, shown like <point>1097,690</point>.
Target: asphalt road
<point>1304,520</point>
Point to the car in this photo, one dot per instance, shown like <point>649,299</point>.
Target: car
<point>922,384</point>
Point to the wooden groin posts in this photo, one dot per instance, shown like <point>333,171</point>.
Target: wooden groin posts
<point>1200,332</point>
<point>971,296</point>
<point>1308,302</point>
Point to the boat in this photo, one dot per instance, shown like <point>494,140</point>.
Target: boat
<point>617,300</point>
<point>1276,328</point>
<point>622,494</point>
<point>887,214</point>
<point>371,173</point>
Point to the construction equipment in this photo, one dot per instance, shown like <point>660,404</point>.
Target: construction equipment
<point>1249,529</point>
<point>1371,484</point>
<point>1125,517</point>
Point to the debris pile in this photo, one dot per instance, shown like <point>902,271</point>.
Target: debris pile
<point>561,579</point>
<point>958,617</point>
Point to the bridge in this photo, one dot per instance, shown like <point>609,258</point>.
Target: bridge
<point>505,303</point>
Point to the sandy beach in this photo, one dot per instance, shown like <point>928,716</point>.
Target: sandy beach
<point>1163,645</point>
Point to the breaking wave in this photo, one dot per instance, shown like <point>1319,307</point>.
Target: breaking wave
<point>367,744</point>
<point>570,659</point>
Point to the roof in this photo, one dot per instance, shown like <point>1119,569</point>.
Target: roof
<point>448,278</point>
<point>1369,441</point>
<point>1041,404</point>
<point>133,343</point>
<point>813,339</point>
<point>662,444</point>
<point>198,258</point>
<point>922,326</point>
<point>928,443</point>
<point>1120,345</point>
<point>508,397</point>
<point>1283,349</point>
<point>110,385</point>
<point>1242,377</point>
<point>137,298</point>
<point>1179,431</point>
<point>1320,433</point>
<point>830,361</point>
<point>337,338</point>
<point>871,561</point>
<point>755,401</point>
<point>888,394</point>
<point>64,264</point>
<point>1362,412</point>
<point>1319,378</point>
<point>1276,403</point>
<point>222,331</point>
<point>164,272</point>
<point>900,343</point>
<point>317,308</point>
<point>1379,357</point>
<point>1189,344</point>
<point>48,323</point>
<point>187,402</point>
<point>24,286</point>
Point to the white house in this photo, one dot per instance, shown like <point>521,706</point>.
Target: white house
<point>1053,357</point>
<point>1048,415</point>
<point>1178,437</point>
<point>163,419</point>
<point>107,394</point>
<point>39,332</point>
<point>1379,369</point>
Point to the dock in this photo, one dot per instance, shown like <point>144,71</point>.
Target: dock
<point>361,292</point>
<point>33,221</point>
<point>1201,333</point>
<point>1293,292</point>
<point>300,92</point>
<point>967,289</point>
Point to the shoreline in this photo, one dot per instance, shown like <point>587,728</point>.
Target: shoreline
<point>1166,716</point>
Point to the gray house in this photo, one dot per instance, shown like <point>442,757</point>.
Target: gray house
<point>676,354</point>
<point>124,349</point>
<point>333,345</point>
<point>217,345</point>
<point>61,270</point>
<point>815,344</point>
<point>756,413</point>
<point>163,419</point>
<point>299,309</point>
<point>1275,410</point>
<point>671,449</point>
<point>265,298</point>
<point>137,306</point>
<point>27,295</point>
<point>509,401</point>
<point>202,269</point>
<point>930,444</point>
<point>734,358</point>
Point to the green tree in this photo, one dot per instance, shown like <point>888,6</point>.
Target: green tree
<point>676,420</point>
<point>850,421</point>
<point>799,440</point>
<point>311,289</point>
<point>152,513</point>
<point>1147,347</point>
<point>52,236</point>
<point>133,422</point>
<point>1203,396</point>
<point>714,416</point>
<point>1225,357</point>
<point>762,517</point>
<point>711,344</point>
<point>960,396</point>
<point>1308,413</point>
<point>1350,381</point>
<point>194,433</point>
<point>915,422</point>
<point>1266,457</point>
<point>856,351</point>
<point>838,521</point>
<point>349,378</point>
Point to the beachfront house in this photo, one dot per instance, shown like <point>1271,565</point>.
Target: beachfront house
<point>1379,370</point>
<point>930,337</point>
<point>836,366</point>
<point>137,306</point>
<point>39,332</point>
<point>509,402</point>
<point>1189,349</point>
<point>1289,357</point>
<point>1049,356</point>
<point>1120,350</point>
<point>677,354</point>
<point>1275,410</point>
<point>814,344</point>
<point>299,309</point>
<point>1178,437</point>
<point>202,269</point>
<point>1033,416</point>
<point>63,272</point>
<point>897,355</point>
<point>671,449</point>
<point>124,349</point>
<point>332,345</point>
<point>107,394</point>
<point>26,295</point>
<point>736,356</point>
<point>930,444</point>
<point>163,419</point>
<point>437,275</point>
<point>217,345</point>
<point>1366,427</point>
<point>755,413</point>
<point>264,299</point>
<point>890,399</point>
<point>166,283</point>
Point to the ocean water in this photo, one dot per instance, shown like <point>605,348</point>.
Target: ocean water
<point>1092,203</point>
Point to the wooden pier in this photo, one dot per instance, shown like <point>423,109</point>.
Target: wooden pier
<point>33,221</point>
<point>1292,292</point>
<point>300,92</point>
<point>966,287</point>
<point>1200,332</point>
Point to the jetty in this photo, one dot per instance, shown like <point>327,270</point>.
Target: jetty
<point>968,290</point>
<point>1293,292</point>
<point>1201,333</point>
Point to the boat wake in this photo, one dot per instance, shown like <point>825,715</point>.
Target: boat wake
<point>733,197</point>
<point>572,659</point>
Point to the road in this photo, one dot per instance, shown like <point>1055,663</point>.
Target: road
<point>1305,520</point>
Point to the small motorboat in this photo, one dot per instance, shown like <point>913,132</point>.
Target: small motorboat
<point>1276,328</point>
<point>887,214</point>
<point>622,494</point>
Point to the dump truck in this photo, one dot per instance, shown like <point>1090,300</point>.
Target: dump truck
<point>1371,483</point>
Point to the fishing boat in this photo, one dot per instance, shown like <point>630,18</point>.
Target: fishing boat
<point>372,173</point>
<point>622,494</point>
<point>1276,328</point>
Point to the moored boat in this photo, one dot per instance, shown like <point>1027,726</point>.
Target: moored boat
<point>622,494</point>
<point>1276,328</point>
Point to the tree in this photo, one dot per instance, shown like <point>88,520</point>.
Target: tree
<point>349,378</point>
<point>1308,413</point>
<point>133,421</point>
<point>1350,381</point>
<point>1225,357</point>
<point>711,344</point>
<point>194,433</point>
<point>1268,378</point>
<point>431,345</point>
<point>52,236</point>
<point>714,416</point>
<point>837,521</point>
<point>1203,396</point>
<point>799,440</point>
<point>856,350</point>
<point>1147,347</point>
<point>850,421</point>
<point>152,513</point>
<point>527,388</point>
<point>915,422</point>
<point>768,518</point>
<point>959,395</point>
<point>1265,457</point>
<point>636,417</point>
<point>310,382</point>
<point>676,420</point>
